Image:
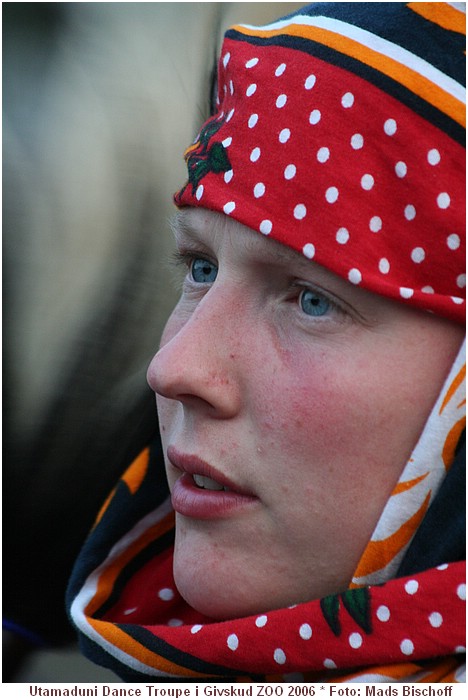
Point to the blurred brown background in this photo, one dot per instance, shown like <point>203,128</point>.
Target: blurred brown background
<point>99,102</point>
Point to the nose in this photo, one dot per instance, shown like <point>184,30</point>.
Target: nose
<point>198,361</point>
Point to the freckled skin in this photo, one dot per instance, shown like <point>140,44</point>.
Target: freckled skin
<point>309,415</point>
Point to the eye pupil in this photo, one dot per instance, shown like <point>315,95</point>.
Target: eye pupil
<point>313,304</point>
<point>203,271</point>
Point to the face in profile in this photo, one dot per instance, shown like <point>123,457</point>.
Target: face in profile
<point>289,401</point>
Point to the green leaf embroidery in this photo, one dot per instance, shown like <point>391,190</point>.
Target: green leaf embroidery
<point>357,603</point>
<point>218,159</point>
<point>330,608</point>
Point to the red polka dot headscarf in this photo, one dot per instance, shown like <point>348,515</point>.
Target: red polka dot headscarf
<point>339,132</point>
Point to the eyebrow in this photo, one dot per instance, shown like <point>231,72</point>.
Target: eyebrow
<point>278,253</point>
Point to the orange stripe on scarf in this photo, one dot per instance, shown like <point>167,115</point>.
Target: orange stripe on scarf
<point>415,82</point>
<point>379,554</point>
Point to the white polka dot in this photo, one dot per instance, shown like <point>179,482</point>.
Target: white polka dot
<point>279,656</point>
<point>410,212</point>
<point>411,586</point>
<point>251,63</point>
<point>342,235</point>
<point>129,611</point>
<point>453,241</point>
<point>229,207</point>
<point>289,171</point>
<point>309,250</point>
<point>406,293</point>
<point>226,58</point>
<point>310,82</point>
<point>299,211</point>
<point>442,567</point>
<point>280,70</point>
<point>384,266</point>
<point>233,642</point>
<point>427,290</point>
<point>255,155</point>
<point>227,142</point>
<point>261,621</point>
<point>375,224</point>
<point>253,119</point>
<point>259,190</point>
<point>305,631</point>
<point>251,90</point>
<point>199,192</point>
<point>457,300</point>
<point>284,135</point>
<point>461,281</point>
<point>175,622</point>
<point>461,591</point>
<point>433,156</point>
<point>266,227</point>
<point>347,100</point>
<point>357,141</point>
<point>281,101</point>
<point>231,87</point>
<point>390,127</point>
<point>196,628</point>
<point>228,175</point>
<point>443,200</point>
<point>331,195</point>
<point>355,640</point>
<point>230,115</point>
<point>315,116</point>
<point>407,647</point>
<point>354,276</point>
<point>367,182</point>
<point>401,169</point>
<point>418,255</point>
<point>329,663</point>
<point>323,154</point>
<point>166,594</point>
<point>383,613</point>
<point>435,619</point>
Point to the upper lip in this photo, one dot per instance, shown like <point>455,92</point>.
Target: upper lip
<point>191,464</point>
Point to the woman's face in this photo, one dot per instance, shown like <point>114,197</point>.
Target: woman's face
<point>289,402</point>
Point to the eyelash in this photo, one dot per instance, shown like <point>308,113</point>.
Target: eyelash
<point>185,259</point>
<point>297,289</point>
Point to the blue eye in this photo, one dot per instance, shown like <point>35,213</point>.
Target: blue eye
<point>313,304</point>
<point>203,271</point>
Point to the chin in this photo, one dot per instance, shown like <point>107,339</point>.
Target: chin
<point>210,596</point>
<point>219,584</point>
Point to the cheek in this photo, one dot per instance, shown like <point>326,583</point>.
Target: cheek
<point>317,414</point>
<point>304,405</point>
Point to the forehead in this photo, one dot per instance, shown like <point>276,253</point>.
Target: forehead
<point>212,228</point>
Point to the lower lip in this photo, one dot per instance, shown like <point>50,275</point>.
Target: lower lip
<point>194,502</point>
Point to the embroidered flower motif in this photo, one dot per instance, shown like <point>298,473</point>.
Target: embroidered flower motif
<point>204,157</point>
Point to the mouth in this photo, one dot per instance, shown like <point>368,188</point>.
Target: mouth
<point>201,491</point>
<point>204,482</point>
